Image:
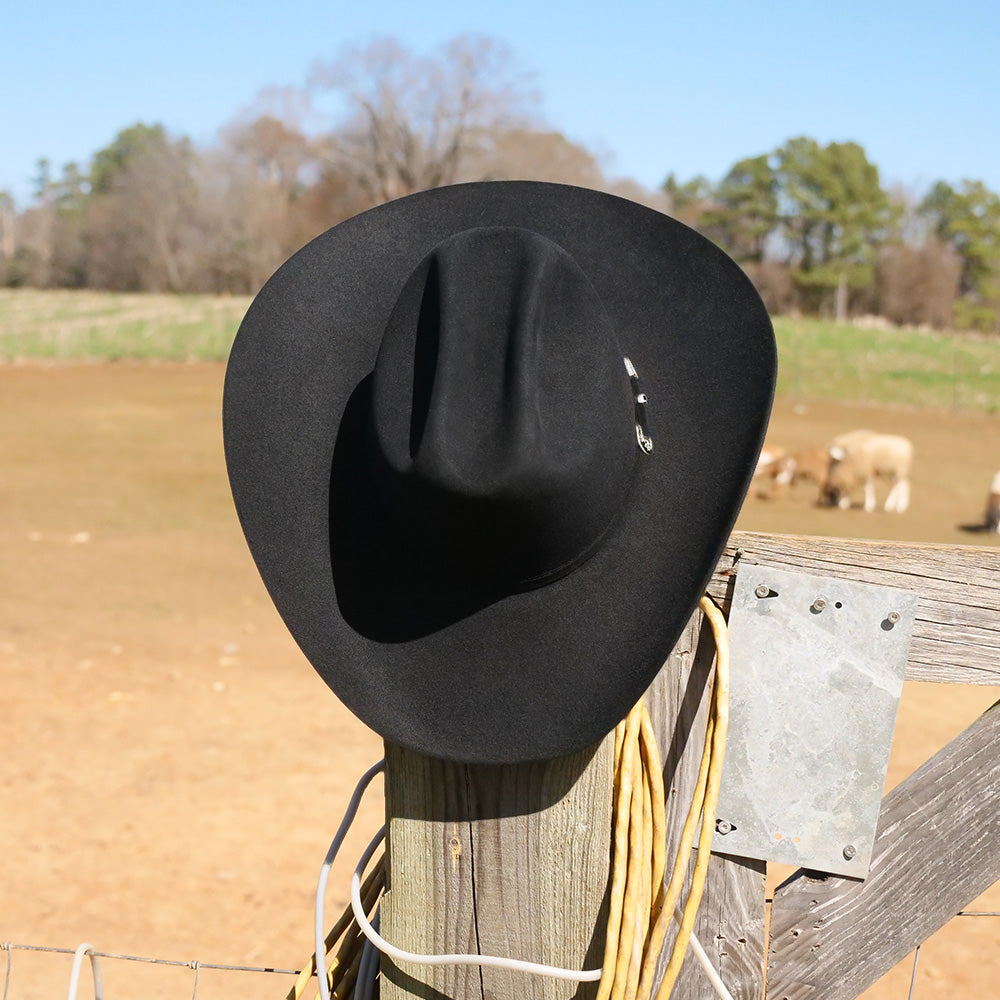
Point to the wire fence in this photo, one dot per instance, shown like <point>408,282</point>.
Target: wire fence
<point>196,966</point>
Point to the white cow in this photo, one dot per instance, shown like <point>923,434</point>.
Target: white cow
<point>858,458</point>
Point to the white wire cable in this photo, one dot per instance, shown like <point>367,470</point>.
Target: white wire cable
<point>324,873</point>
<point>370,931</point>
<point>493,961</point>
<point>703,960</point>
<point>95,969</point>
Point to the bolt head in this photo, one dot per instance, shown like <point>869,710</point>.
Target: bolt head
<point>893,616</point>
<point>762,590</point>
<point>723,827</point>
<point>849,852</point>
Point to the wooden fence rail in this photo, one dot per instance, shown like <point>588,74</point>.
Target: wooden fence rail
<point>514,860</point>
<point>956,636</point>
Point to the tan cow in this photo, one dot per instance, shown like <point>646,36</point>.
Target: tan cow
<point>858,458</point>
<point>769,455</point>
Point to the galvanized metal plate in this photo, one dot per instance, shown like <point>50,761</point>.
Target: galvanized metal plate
<point>816,673</point>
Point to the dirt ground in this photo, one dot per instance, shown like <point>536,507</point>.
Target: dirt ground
<point>171,768</point>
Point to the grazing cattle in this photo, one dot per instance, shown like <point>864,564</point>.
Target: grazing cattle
<point>806,465</point>
<point>993,506</point>
<point>858,458</point>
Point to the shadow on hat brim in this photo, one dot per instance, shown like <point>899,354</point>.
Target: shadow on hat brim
<point>385,592</point>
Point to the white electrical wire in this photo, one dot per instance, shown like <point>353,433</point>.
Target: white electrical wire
<point>95,969</point>
<point>703,960</point>
<point>492,961</point>
<point>379,942</point>
<point>324,873</point>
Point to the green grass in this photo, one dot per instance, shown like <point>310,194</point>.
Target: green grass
<point>817,359</point>
<point>109,326</point>
<point>895,366</point>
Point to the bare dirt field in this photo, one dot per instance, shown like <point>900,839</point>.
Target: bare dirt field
<point>171,768</point>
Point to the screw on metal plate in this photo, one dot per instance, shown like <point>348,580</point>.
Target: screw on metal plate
<point>817,606</point>
<point>723,827</point>
<point>762,590</point>
<point>849,851</point>
<point>891,619</point>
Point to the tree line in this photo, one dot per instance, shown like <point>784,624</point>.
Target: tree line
<point>812,224</point>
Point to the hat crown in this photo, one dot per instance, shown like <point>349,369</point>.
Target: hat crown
<point>502,416</point>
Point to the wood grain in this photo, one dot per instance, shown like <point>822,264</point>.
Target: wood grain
<point>510,860</point>
<point>937,848</point>
<point>956,636</point>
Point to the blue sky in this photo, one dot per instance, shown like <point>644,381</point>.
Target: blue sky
<point>652,86</point>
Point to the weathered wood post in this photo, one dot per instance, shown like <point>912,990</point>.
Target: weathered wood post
<point>514,860</point>
<point>508,860</point>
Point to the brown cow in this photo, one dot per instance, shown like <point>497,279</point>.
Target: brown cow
<point>806,465</point>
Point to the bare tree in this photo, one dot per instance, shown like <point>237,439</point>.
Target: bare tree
<point>7,240</point>
<point>272,149</point>
<point>407,123</point>
<point>532,154</point>
<point>143,228</point>
<point>918,284</point>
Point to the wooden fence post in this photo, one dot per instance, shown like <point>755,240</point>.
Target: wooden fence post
<point>514,860</point>
<point>730,923</point>
<point>497,860</point>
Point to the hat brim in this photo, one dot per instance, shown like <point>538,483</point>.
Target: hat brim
<point>435,665</point>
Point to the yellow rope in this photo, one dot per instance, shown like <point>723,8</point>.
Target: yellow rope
<point>717,737</point>
<point>639,854</point>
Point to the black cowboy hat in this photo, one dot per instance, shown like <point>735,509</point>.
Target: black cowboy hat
<point>487,443</point>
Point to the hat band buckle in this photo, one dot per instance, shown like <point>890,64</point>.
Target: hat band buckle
<point>641,399</point>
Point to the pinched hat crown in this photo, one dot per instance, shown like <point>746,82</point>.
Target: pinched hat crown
<point>502,414</point>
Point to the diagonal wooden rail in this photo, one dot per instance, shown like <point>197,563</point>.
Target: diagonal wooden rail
<point>937,848</point>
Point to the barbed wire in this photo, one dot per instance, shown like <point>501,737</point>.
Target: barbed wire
<point>9,946</point>
<point>196,965</point>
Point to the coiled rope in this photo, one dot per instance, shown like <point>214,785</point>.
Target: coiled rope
<point>642,903</point>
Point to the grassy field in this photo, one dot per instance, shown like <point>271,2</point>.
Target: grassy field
<point>65,325</point>
<point>818,359</point>
<point>895,366</point>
